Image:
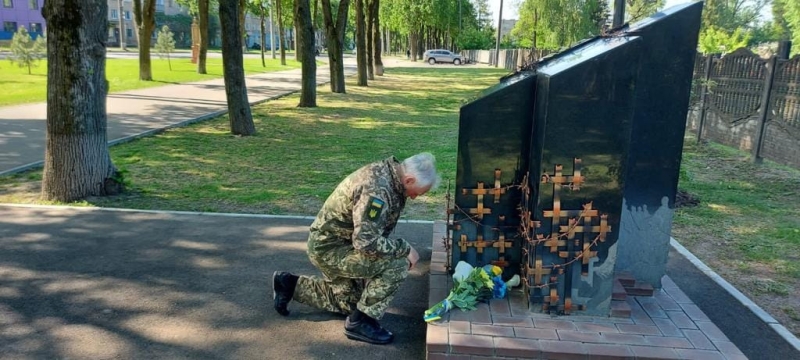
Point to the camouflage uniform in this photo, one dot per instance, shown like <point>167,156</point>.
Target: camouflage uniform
<point>348,243</point>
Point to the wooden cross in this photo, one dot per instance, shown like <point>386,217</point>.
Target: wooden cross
<point>480,191</point>
<point>480,244</point>
<point>463,243</point>
<point>497,191</point>
<point>501,262</point>
<point>501,244</point>
<point>554,242</point>
<point>587,253</point>
<point>538,271</point>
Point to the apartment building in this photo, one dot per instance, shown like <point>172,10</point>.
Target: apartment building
<point>121,11</point>
<point>21,13</point>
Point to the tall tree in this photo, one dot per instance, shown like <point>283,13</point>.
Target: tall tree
<point>239,115</point>
<point>557,24</point>
<point>260,8</point>
<point>144,17</point>
<point>636,10</point>
<point>77,163</point>
<point>335,34</point>
<point>368,39</point>
<point>202,24</point>
<point>361,44</point>
<point>305,45</point>
<point>123,43</point>
<point>281,32</point>
<point>780,23</point>
<point>792,18</point>
<point>374,12</point>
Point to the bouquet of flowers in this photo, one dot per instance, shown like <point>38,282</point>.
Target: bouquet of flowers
<point>469,289</point>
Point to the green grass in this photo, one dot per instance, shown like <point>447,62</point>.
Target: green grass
<point>299,154</point>
<point>122,74</point>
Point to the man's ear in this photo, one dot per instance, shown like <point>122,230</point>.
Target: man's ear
<point>409,181</point>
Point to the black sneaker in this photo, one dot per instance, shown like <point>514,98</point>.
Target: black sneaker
<point>282,291</point>
<point>367,330</point>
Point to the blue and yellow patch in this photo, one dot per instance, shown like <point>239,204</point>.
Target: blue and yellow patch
<point>375,208</point>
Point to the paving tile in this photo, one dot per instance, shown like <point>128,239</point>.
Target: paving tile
<point>666,282</point>
<point>439,282</point>
<point>566,350</point>
<point>699,340</point>
<point>587,337</point>
<point>667,327</point>
<point>438,256</point>
<point>438,268</point>
<point>478,357</point>
<point>492,330</point>
<point>500,307</point>
<point>651,307</point>
<point>712,331</point>
<point>613,320</point>
<point>513,347</point>
<point>670,342</point>
<point>581,318</point>
<point>531,333</point>
<point>458,315</point>
<point>608,352</point>
<point>518,303</point>
<point>694,354</point>
<point>460,327</point>
<point>649,352</point>
<point>436,295</point>
<point>638,315</point>
<point>625,339</point>
<point>436,338</point>
<point>678,295</point>
<point>729,349</point>
<point>481,314</point>
<point>471,344</point>
<point>681,320</point>
<point>593,327</point>
<point>665,301</point>
<point>638,329</point>
<point>694,312</point>
<point>516,321</point>
<point>554,324</point>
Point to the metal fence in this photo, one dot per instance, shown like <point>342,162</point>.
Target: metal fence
<point>749,102</point>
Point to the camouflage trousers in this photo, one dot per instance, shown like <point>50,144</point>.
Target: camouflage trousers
<point>350,278</point>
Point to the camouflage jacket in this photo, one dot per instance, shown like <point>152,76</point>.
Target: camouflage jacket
<point>361,212</point>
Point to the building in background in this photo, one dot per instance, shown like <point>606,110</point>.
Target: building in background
<point>164,9</point>
<point>21,13</point>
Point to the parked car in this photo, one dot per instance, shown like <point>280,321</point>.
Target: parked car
<point>442,56</point>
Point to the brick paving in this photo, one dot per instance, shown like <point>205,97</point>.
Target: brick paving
<point>666,325</point>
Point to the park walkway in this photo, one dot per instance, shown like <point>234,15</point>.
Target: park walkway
<point>142,112</point>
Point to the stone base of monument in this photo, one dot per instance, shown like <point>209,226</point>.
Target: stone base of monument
<point>661,324</point>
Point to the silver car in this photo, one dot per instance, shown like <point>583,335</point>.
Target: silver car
<point>441,56</point>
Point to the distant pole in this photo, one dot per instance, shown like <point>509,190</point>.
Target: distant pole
<point>619,13</point>
<point>271,34</point>
<point>499,27</point>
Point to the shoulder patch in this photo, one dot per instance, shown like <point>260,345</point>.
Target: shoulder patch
<point>375,208</point>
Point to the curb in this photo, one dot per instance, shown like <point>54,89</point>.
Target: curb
<point>744,300</point>
<point>178,212</point>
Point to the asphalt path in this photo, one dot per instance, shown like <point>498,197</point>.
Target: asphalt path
<point>756,339</point>
<point>97,284</point>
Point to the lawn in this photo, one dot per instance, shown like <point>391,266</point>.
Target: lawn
<point>746,225</point>
<point>123,74</point>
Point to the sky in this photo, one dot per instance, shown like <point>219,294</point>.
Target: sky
<point>510,8</point>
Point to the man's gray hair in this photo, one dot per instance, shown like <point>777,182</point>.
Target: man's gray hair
<point>422,167</point>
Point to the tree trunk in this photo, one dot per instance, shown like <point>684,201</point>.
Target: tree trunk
<point>145,23</point>
<point>296,38</point>
<point>335,34</point>
<point>271,32</point>
<point>368,39</point>
<point>281,33</point>
<point>202,6</point>
<point>361,44</point>
<point>263,34</point>
<point>305,45</point>
<point>375,6</point>
<point>241,120</point>
<point>123,43</point>
<point>76,162</point>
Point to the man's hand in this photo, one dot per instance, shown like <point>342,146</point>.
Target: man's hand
<point>413,257</point>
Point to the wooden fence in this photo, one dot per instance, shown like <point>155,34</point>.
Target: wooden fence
<point>748,102</point>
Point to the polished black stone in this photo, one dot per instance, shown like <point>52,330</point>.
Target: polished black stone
<point>584,109</point>
<point>669,41</point>
<point>494,133</point>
